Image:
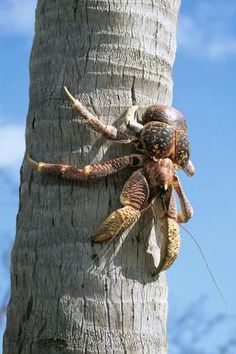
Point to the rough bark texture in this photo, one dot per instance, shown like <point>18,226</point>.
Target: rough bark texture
<point>111,53</point>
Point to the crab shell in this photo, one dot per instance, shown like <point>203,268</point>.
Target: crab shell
<point>165,134</point>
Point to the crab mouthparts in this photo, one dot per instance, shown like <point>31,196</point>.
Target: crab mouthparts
<point>166,186</point>
<point>165,172</point>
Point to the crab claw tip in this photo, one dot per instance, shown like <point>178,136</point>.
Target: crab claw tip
<point>36,165</point>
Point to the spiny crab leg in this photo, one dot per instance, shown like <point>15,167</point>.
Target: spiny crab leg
<point>186,209</point>
<point>95,170</point>
<point>106,130</point>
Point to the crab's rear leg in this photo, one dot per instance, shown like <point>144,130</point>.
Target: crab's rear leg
<point>134,197</point>
<point>92,171</point>
<point>106,130</point>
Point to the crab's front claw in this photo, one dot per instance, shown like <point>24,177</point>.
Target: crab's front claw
<point>134,196</point>
<point>170,240</point>
<point>116,223</point>
<point>172,246</point>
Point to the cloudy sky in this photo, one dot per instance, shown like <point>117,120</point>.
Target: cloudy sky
<point>204,89</point>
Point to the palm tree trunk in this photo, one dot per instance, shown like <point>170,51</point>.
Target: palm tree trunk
<point>112,54</point>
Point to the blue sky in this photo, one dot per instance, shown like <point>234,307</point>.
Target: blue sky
<point>204,89</point>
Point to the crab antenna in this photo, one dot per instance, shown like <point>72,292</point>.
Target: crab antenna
<point>69,95</point>
<point>203,257</point>
<point>103,252</point>
<point>206,264</point>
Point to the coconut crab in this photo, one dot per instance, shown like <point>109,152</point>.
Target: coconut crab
<point>163,142</point>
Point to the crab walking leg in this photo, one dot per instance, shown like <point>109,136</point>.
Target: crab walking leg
<point>92,171</point>
<point>131,123</point>
<point>189,169</point>
<point>171,237</point>
<point>186,209</point>
<point>133,196</point>
<point>106,130</point>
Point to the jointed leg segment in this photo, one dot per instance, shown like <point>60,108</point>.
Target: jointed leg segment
<point>106,130</point>
<point>186,209</point>
<point>134,197</point>
<point>95,170</point>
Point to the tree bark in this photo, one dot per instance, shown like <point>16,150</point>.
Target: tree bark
<point>112,54</point>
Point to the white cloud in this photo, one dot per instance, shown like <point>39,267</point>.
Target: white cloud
<point>222,47</point>
<point>208,31</point>
<point>17,16</point>
<point>12,145</point>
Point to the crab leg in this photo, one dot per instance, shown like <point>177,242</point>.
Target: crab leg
<point>92,171</point>
<point>189,169</point>
<point>131,122</point>
<point>106,130</point>
<point>186,209</point>
<point>133,196</point>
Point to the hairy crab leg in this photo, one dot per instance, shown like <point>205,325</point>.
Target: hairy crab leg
<point>92,171</point>
<point>106,130</point>
<point>186,209</point>
<point>133,197</point>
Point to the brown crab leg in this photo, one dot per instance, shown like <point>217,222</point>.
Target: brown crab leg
<point>95,170</point>
<point>131,123</point>
<point>186,209</point>
<point>133,196</point>
<point>106,130</point>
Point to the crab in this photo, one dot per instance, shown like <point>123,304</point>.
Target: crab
<point>164,148</point>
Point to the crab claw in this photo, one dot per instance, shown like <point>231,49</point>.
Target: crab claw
<point>172,246</point>
<point>116,223</point>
